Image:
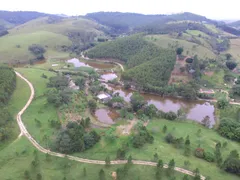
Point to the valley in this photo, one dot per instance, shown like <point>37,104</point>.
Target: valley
<point>93,100</point>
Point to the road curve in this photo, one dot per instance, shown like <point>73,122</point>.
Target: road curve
<point>43,150</point>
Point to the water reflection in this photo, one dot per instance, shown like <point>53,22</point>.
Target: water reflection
<point>106,116</point>
<point>195,110</point>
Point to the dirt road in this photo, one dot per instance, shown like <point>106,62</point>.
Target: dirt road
<point>43,150</point>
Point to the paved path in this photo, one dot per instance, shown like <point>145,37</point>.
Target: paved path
<point>24,132</point>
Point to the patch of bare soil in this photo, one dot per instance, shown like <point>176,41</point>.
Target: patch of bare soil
<point>114,175</point>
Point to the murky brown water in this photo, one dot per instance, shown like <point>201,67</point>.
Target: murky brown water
<point>77,63</point>
<point>106,116</point>
<point>195,110</point>
<point>108,76</point>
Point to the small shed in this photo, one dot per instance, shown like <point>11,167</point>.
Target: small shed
<point>104,97</point>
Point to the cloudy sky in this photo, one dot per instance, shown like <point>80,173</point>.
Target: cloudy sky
<point>215,9</point>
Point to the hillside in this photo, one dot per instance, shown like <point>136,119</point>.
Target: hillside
<point>146,63</point>
<point>20,17</point>
<point>190,48</point>
<point>126,22</point>
<point>59,36</point>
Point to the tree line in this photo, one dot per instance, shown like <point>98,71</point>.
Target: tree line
<point>7,86</point>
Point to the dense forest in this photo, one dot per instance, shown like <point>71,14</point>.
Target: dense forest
<point>7,86</point>
<point>155,72</point>
<point>121,49</point>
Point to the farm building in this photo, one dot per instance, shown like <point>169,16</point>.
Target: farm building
<point>104,97</point>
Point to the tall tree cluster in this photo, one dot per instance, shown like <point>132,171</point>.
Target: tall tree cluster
<point>7,86</point>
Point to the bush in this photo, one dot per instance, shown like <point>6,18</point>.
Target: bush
<point>170,115</point>
<point>199,153</point>
<point>231,65</point>
<point>209,157</point>
<point>169,138</point>
<point>189,60</point>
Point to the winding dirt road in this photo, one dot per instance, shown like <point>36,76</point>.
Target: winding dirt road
<point>43,150</point>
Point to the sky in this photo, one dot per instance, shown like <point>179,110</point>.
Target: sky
<point>213,9</point>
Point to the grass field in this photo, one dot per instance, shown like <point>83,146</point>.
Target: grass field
<point>17,158</point>
<point>14,46</point>
<point>62,27</point>
<point>216,80</point>
<point>207,140</point>
<point>234,49</point>
<point>190,48</point>
<point>10,53</point>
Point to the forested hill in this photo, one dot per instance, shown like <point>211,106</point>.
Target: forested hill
<point>125,22</point>
<point>19,17</point>
<point>147,65</point>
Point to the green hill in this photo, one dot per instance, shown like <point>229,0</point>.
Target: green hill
<point>147,65</point>
<point>190,48</point>
<point>59,36</point>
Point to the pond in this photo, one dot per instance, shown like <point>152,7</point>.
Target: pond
<point>195,110</point>
<point>106,116</point>
<point>77,63</point>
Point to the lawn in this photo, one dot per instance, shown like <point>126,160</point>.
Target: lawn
<point>190,48</point>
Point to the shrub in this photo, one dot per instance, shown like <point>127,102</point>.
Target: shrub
<point>209,157</point>
<point>199,153</point>
<point>189,60</point>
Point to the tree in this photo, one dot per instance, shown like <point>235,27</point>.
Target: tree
<point>39,176</point>
<point>179,51</point>
<point>80,82</point>
<point>169,138</point>
<point>187,148</point>
<point>160,164</point>
<point>232,163</point>
<point>236,90</point>
<point>171,166</point>
<point>164,129</point>
<point>222,103</point>
<point>129,161</point>
<point>121,153</point>
<point>197,175</point>
<point>84,172</point>
<point>107,161</point>
<point>151,111</point>
<point>185,177</point>
<point>155,157</point>
<point>231,65</point>
<point>137,101</point>
<point>102,175</point>
<point>26,174</point>
<point>92,105</point>
<point>38,50</point>
<point>228,56</point>
<point>218,155</point>
<point>206,121</point>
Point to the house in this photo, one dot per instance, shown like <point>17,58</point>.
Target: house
<point>104,97</point>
